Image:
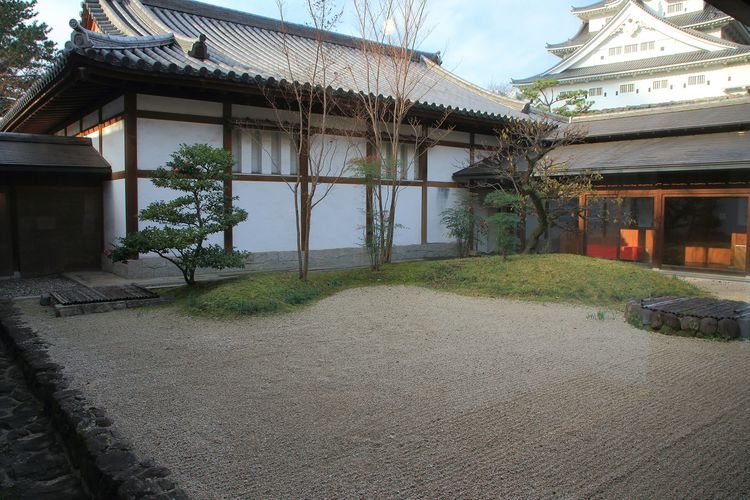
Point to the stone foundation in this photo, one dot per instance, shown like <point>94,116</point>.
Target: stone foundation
<point>692,316</point>
<point>337,258</point>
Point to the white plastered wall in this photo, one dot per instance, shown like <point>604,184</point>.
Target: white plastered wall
<point>438,200</point>
<point>270,225</point>
<point>113,201</point>
<point>338,220</point>
<point>113,145</point>
<point>444,161</point>
<point>408,216</point>
<point>334,155</point>
<point>158,139</point>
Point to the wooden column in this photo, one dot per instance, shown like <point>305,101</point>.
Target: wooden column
<point>422,154</point>
<point>658,228</point>
<point>747,242</point>
<point>368,197</point>
<point>227,118</point>
<point>131,163</point>
<point>15,244</point>
<point>304,172</point>
<point>582,224</point>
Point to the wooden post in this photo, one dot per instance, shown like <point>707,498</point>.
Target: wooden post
<point>131,163</point>
<point>227,117</point>
<point>369,220</point>
<point>422,154</point>
<point>304,167</point>
<point>659,201</point>
<point>15,244</point>
<point>582,227</point>
<point>747,242</point>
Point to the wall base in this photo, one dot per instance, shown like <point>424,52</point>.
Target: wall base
<point>338,258</point>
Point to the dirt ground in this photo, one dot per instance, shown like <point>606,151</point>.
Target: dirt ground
<point>405,392</point>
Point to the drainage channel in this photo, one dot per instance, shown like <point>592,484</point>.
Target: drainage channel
<point>33,462</point>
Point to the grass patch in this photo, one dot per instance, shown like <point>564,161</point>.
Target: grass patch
<point>548,278</point>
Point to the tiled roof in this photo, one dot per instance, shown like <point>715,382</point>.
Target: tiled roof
<point>155,36</point>
<point>734,112</point>
<point>26,152</point>
<point>709,14</point>
<point>596,5</point>
<point>580,38</point>
<point>643,65</point>
<point>700,151</point>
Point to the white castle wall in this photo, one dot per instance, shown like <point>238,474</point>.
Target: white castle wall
<point>113,205</point>
<point>717,81</point>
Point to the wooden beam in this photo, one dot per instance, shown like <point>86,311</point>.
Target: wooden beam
<point>131,163</point>
<point>227,115</point>
<point>184,117</point>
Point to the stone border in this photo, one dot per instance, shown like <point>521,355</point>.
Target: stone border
<point>106,461</point>
<point>639,314</point>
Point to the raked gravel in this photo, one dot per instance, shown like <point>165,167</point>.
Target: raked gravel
<point>405,392</point>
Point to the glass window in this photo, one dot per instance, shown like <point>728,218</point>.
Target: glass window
<point>620,228</point>
<point>596,91</point>
<point>660,84</point>
<point>631,48</point>
<point>697,80</point>
<point>627,87</point>
<point>705,232</point>
<point>615,51</point>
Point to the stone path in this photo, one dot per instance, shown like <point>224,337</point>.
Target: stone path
<point>32,462</point>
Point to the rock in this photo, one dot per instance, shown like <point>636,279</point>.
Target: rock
<point>657,320</point>
<point>646,316</point>
<point>744,324</point>
<point>690,323</point>
<point>671,320</point>
<point>632,310</point>
<point>709,326</point>
<point>729,328</point>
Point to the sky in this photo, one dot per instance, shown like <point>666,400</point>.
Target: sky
<point>483,41</point>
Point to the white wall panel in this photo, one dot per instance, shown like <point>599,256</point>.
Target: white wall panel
<point>409,215</point>
<point>439,199</point>
<point>113,193</point>
<point>90,120</point>
<point>443,161</point>
<point>270,225</point>
<point>113,145</point>
<point>113,108</point>
<point>158,139</point>
<point>174,105</point>
<point>338,220</point>
<point>94,136</point>
<point>333,155</point>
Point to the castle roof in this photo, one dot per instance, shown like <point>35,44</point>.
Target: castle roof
<point>708,49</point>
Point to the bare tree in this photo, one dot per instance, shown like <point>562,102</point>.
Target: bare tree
<point>392,80</point>
<point>524,164</point>
<point>304,105</point>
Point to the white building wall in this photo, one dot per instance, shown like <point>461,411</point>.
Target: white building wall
<point>113,145</point>
<point>408,216</point>
<point>444,161</point>
<point>270,225</point>
<point>94,136</point>
<point>158,139</point>
<point>334,155</point>
<point>113,206</point>
<point>717,81</point>
<point>338,221</point>
<point>113,108</point>
<point>438,200</point>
